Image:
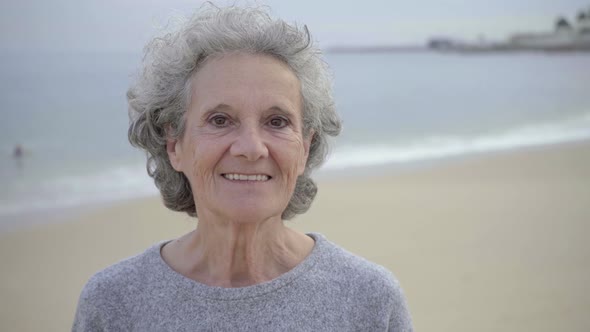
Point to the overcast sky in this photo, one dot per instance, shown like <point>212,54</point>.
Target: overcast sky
<point>125,25</point>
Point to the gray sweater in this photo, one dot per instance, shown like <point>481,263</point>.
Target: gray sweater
<point>331,290</point>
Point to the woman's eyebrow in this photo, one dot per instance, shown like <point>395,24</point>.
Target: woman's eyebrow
<point>225,108</point>
<point>218,108</point>
<point>281,110</point>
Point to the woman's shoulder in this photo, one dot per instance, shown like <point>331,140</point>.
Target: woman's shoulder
<point>122,277</point>
<point>355,271</point>
<point>110,294</point>
<point>369,284</point>
<point>338,258</point>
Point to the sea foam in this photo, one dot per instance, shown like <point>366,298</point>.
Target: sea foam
<point>434,147</point>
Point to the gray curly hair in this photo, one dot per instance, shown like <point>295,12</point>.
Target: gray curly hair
<point>159,97</point>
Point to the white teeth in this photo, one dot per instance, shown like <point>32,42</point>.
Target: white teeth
<point>244,177</point>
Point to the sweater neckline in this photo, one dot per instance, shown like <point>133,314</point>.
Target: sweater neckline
<point>223,293</point>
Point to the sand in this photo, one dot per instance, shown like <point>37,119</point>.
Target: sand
<point>495,242</point>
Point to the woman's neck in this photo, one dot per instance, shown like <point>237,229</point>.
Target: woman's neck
<point>228,254</point>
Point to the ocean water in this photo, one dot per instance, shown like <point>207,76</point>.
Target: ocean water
<point>69,113</point>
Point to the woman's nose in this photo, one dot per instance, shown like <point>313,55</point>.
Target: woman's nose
<point>249,144</point>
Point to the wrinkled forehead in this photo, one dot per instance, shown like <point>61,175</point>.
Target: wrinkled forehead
<point>245,80</point>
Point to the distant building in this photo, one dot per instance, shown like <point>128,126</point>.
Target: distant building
<point>561,24</point>
<point>566,36</point>
<point>441,43</point>
<point>583,23</point>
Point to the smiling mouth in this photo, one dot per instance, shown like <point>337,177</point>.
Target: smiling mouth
<point>246,177</point>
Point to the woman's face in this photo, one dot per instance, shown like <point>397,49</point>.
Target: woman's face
<point>243,146</point>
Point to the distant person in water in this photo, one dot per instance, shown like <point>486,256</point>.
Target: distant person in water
<point>18,152</point>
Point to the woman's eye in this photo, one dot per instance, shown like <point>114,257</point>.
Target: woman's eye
<point>219,121</point>
<point>278,122</point>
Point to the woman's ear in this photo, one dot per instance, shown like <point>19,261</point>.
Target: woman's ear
<point>307,142</point>
<point>174,153</point>
<point>306,145</point>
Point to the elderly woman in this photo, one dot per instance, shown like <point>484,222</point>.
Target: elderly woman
<point>234,110</point>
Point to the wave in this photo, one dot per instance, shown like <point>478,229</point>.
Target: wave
<point>434,147</point>
<point>117,183</point>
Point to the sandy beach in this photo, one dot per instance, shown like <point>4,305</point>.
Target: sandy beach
<point>494,242</point>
